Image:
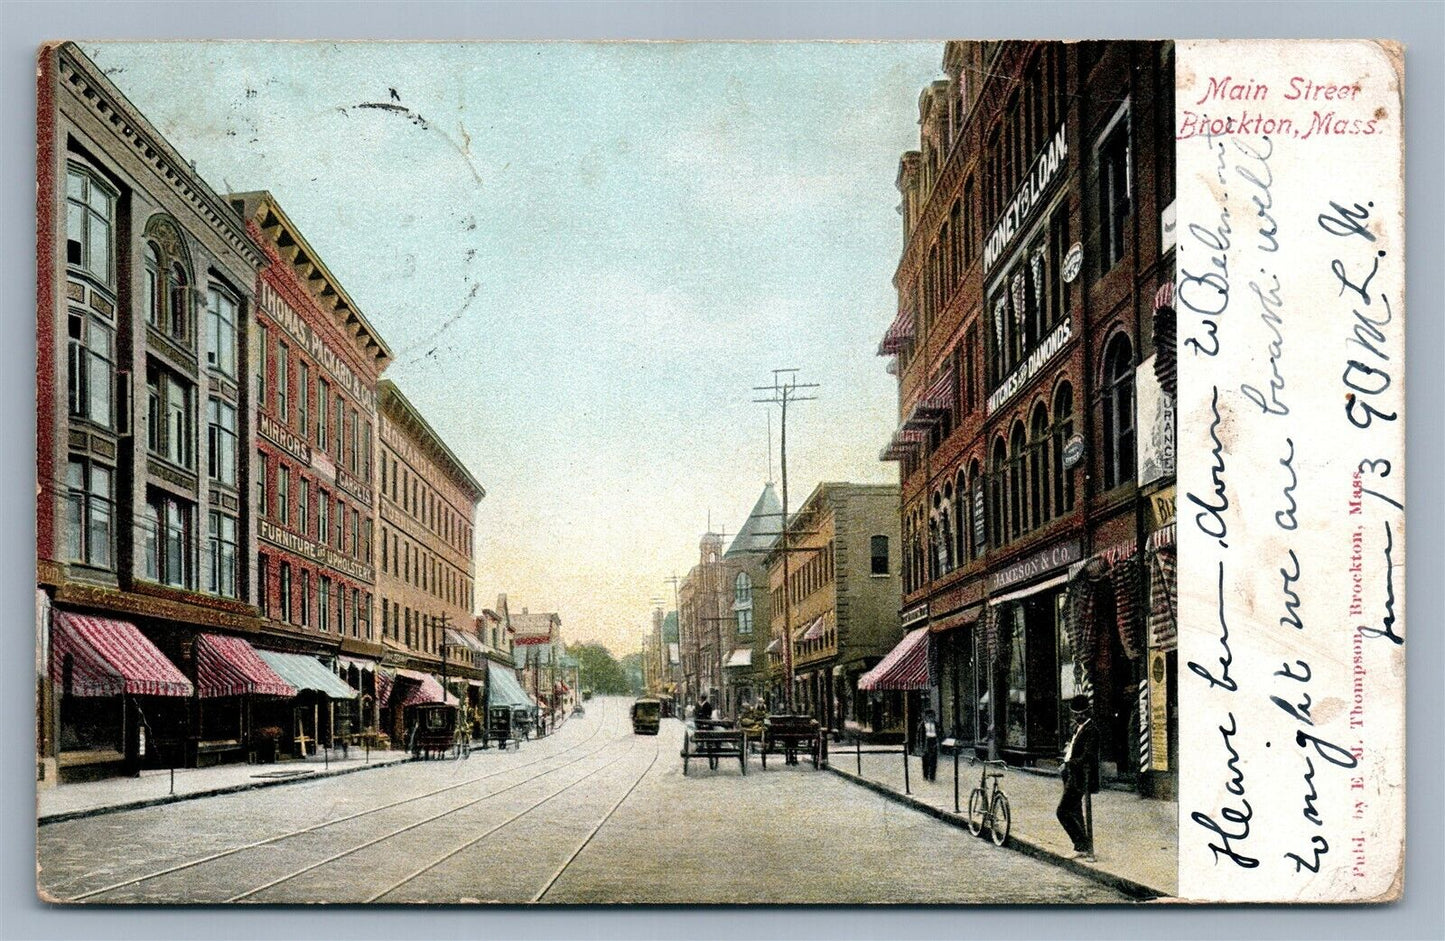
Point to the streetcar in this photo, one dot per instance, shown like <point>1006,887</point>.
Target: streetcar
<point>646,716</point>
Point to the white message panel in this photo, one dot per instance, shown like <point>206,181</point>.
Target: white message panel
<point>1291,470</point>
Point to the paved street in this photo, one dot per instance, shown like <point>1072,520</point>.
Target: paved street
<point>592,813</point>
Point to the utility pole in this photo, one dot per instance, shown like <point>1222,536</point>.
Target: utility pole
<point>785,389</point>
<point>677,609</point>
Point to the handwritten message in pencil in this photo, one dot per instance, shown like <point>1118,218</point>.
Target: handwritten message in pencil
<point>1291,472</point>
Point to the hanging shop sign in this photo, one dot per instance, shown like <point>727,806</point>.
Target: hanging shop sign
<point>1073,451</point>
<point>1167,237</point>
<point>1028,197</point>
<point>1161,508</point>
<point>1032,364</point>
<point>1073,262</point>
<point>1155,419</point>
<point>1158,711</point>
<point>914,616</point>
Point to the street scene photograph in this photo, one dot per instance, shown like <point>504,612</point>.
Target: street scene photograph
<point>606,473</point>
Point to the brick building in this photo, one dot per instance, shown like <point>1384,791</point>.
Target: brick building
<point>1035,443</point>
<point>841,611</point>
<point>145,528</point>
<point>316,363</point>
<point>425,581</point>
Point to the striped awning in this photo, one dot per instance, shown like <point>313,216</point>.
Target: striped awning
<point>901,331</point>
<point>385,682</point>
<point>304,672</point>
<point>774,645</point>
<point>935,403</point>
<point>422,688</point>
<point>229,666</point>
<point>110,658</point>
<point>905,667</point>
<point>1166,366</point>
<point>903,442</point>
<point>815,630</point>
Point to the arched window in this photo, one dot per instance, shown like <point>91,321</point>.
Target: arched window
<point>178,285</point>
<point>998,495</point>
<point>978,512</point>
<point>962,515</point>
<point>153,292</point>
<point>1018,489</point>
<point>1039,466</point>
<point>742,589</point>
<point>1118,412</point>
<point>945,531</point>
<point>1063,480</point>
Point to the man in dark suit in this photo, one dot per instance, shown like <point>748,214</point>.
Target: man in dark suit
<point>1080,772</point>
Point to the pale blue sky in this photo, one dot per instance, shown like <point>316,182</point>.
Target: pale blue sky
<point>584,261</point>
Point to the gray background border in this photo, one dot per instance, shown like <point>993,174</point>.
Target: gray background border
<point>23,25</point>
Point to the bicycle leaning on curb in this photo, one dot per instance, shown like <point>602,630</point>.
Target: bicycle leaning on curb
<point>988,804</point>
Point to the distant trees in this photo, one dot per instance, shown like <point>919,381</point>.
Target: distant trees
<point>601,672</point>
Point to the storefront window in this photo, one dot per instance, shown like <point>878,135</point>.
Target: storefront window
<point>1017,702</point>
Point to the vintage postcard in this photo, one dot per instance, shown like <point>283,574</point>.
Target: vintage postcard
<point>955,472</point>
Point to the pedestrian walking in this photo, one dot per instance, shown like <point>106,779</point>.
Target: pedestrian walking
<point>1080,772</point>
<point>703,711</point>
<point>928,737</point>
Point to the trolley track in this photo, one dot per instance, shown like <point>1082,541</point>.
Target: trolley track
<point>316,827</point>
<point>399,831</point>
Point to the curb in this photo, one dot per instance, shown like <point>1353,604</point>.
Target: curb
<point>209,792</point>
<point>1129,887</point>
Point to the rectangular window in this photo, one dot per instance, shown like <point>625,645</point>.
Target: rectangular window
<point>221,442</point>
<point>745,621</point>
<point>263,583</point>
<point>303,398</point>
<point>170,426</point>
<point>1112,159</point>
<point>323,610</point>
<point>89,221</point>
<point>223,555</point>
<point>366,615</point>
<point>221,331</point>
<point>340,434</point>
<point>286,592</point>
<point>878,551</point>
<point>352,460</point>
<point>355,612</point>
<point>89,529</point>
<point>366,451</point>
<point>283,494</point>
<point>305,598</point>
<point>263,361</point>
<point>170,520</point>
<point>323,515</point>
<point>384,553</point>
<point>303,514</point>
<point>90,363</point>
<point>283,382</point>
<point>323,404</point>
<point>339,540</point>
<point>355,534</point>
<point>263,505</point>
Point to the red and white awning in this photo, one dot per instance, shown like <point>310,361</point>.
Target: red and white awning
<point>905,667</point>
<point>900,332</point>
<point>934,404</point>
<point>229,666</point>
<point>813,631</point>
<point>1164,297</point>
<point>903,442</point>
<point>110,658</point>
<point>423,688</point>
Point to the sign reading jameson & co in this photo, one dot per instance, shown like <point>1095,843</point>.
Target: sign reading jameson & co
<point>1029,195</point>
<point>1054,557</point>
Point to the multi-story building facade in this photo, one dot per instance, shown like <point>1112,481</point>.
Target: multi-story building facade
<point>145,528</point>
<point>316,363</point>
<point>536,645</point>
<point>1036,491</point>
<point>745,586</point>
<point>837,604</point>
<point>428,501</point>
<point>702,613</point>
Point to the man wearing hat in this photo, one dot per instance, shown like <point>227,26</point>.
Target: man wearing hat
<point>1080,772</point>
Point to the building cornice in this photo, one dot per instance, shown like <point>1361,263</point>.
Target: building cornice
<point>397,406</point>
<point>110,105</point>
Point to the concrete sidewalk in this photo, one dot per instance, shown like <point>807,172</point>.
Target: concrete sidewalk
<point>1136,839</point>
<point>89,798</point>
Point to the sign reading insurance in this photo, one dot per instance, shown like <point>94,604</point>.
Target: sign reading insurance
<point>1028,197</point>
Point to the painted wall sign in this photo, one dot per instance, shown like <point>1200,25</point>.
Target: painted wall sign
<point>1073,262</point>
<point>1155,421</point>
<point>289,320</point>
<point>1030,367</point>
<point>1044,171</point>
<point>1042,562</point>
